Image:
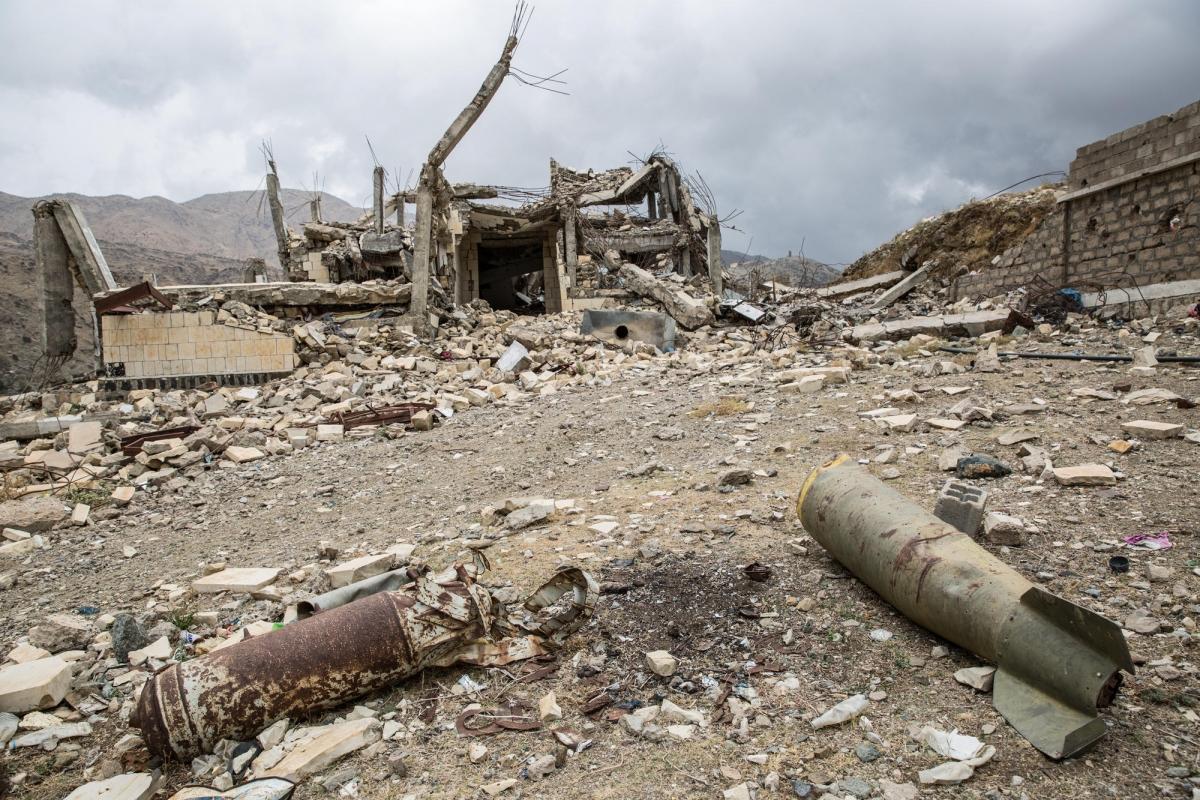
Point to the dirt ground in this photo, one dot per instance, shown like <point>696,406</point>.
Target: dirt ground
<point>674,579</point>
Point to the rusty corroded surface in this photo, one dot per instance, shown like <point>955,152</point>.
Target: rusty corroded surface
<point>1056,661</point>
<point>344,653</point>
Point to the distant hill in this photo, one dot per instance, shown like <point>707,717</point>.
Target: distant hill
<point>233,225</point>
<point>205,240</point>
<point>791,270</point>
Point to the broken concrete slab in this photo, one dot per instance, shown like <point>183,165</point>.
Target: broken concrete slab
<point>236,579</point>
<point>685,309</point>
<point>34,685</point>
<point>34,514</point>
<point>84,437</point>
<point>242,455</point>
<point>60,632</point>
<point>335,743</point>
<point>839,290</point>
<point>132,786</point>
<point>1149,429</point>
<point>972,323</point>
<point>903,287</point>
<point>1085,475</point>
<point>359,569</point>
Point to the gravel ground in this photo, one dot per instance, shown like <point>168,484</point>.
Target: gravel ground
<point>674,579</point>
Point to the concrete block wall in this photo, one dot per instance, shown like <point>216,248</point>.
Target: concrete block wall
<point>178,343</point>
<point>1150,144</point>
<point>1116,226</point>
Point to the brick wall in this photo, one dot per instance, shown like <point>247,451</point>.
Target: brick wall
<point>1125,220</point>
<point>1153,143</point>
<point>190,343</point>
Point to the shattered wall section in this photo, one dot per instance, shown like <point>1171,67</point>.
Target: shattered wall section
<point>1130,217</point>
<point>180,343</point>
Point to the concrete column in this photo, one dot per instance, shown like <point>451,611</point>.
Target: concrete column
<point>714,256</point>
<point>51,255</point>
<point>378,186</point>
<point>281,234</point>
<point>571,247</point>
<point>419,304</point>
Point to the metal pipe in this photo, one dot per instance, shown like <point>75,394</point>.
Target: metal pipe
<point>1056,661</point>
<point>341,654</point>
<point>1075,356</point>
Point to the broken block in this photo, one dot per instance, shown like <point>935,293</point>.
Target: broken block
<point>359,569</point>
<point>235,579</point>
<point>62,632</point>
<point>134,786</point>
<point>330,433</point>
<point>1003,529</point>
<point>961,505</point>
<point>1149,429</point>
<point>1085,475</point>
<point>548,708</point>
<point>945,424</point>
<point>898,422</point>
<point>33,685</point>
<point>422,421</point>
<point>79,514</point>
<point>660,662</point>
<point>315,755</point>
<point>241,455</point>
<point>122,495</point>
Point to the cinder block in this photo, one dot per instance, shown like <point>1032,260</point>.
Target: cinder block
<point>961,505</point>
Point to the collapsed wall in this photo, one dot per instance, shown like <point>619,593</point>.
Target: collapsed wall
<point>1129,216</point>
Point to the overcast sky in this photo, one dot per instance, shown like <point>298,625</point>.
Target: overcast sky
<point>833,123</point>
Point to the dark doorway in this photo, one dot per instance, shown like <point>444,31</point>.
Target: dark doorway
<point>510,275</point>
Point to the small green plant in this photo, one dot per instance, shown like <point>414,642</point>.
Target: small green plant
<point>97,496</point>
<point>182,621</point>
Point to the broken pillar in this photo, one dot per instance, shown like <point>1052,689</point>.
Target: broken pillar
<point>714,256</point>
<point>685,309</point>
<point>52,256</point>
<point>377,181</point>
<point>282,241</point>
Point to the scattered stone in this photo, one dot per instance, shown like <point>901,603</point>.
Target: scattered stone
<point>1149,429</point>
<point>898,791</point>
<point>34,514</point>
<point>979,465</point>
<point>735,477</point>
<point>660,662</point>
<point>548,708</point>
<point>235,579</point>
<point>867,752</point>
<point>844,711</point>
<point>1085,475</point>
<point>978,678</point>
<point>127,635</point>
<point>1003,529</point>
<point>338,741</point>
<point>133,786</point>
<point>62,632</point>
<point>359,569</point>
<point>242,455</point>
<point>537,510</point>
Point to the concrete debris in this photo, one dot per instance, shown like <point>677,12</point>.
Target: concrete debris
<point>133,786</point>
<point>385,411</point>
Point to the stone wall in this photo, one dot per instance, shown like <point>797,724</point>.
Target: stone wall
<point>1130,216</point>
<point>181,343</point>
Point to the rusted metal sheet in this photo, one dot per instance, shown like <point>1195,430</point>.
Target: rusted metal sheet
<point>132,445</point>
<point>401,413</point>
<point>1057,662</point>
<point>127,297</point>
<point>341,654</point>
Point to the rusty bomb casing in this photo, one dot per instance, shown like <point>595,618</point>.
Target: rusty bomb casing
<point>1056,661</point>
<point>337,655</point>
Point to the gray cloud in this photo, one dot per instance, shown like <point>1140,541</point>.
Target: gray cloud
<point>836,124</point>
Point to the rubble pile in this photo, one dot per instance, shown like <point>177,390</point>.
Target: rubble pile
<point>80,466</point>
<point>963,240</point>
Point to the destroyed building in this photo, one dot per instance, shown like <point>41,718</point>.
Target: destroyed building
<point>1126,220</point>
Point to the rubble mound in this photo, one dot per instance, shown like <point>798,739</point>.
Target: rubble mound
<point>965,239</point>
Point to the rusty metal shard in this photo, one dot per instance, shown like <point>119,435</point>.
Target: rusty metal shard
<point>1056,662</point>
<point>341,654</point>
